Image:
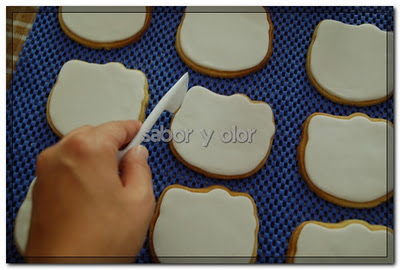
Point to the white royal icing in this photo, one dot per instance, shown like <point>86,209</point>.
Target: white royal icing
<point>92,94</point>
<point>351,159</point>
<point>212,227</point>
<point>204,110</point>
<point>334,244</point>
<point>225,38</point>
<point>23,220</point>
<point>104,24</point>
<point>354,63</point>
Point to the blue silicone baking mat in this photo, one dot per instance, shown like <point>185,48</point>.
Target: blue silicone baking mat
<point>283,199</point>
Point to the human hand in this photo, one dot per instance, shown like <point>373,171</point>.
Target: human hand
<point>82,206</point>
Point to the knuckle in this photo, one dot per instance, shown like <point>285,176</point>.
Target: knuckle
<point>145,168</point>
<point>79,144</point>
<point>42,159</point>
<point>149,194</point>
<point>83,128</point>
<point>140,165</point>
<point>86,127</point>
<point>146,197</point>
<point>152,200</point>
<point>143,195</point>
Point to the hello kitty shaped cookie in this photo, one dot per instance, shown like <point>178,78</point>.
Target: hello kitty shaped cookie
<point>348,160</point>
<point>93,94</point>
<point>206,225</point>
<point>350,241</point>
<point>351,64</point>
<point>228,137</point>
<point>104,27</point>
<point>225,41</point>
<point>23,221</point>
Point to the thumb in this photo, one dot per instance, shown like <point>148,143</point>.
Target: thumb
<point>135,171</point>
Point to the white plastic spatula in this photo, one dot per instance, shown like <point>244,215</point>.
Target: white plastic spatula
<point>171,101</point>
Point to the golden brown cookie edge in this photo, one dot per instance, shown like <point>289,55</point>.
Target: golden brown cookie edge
<point>106,45</point>
<point>325,93</point>
<point>142,110</point>
<point>201,190</point>
<point>219,73</point>
<point>324,195</point>
<point>222,176</point>
<point>292,247</point>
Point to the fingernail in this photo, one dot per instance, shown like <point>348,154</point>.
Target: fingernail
<point>142,152</point>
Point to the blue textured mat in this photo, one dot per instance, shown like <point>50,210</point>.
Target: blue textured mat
<point>283,199</point>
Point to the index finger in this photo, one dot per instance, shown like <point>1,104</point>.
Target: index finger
<point>118,133</point>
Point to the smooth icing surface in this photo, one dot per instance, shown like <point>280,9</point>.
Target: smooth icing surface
<point>93,94</point>
<point>104,24</point>
<point>353,62</point>
<point>351,159</point>
<point>195,227</point>
<point>23,220</point>
<point>334,244</point>
<point>225,38</point>
<point>204,110</point>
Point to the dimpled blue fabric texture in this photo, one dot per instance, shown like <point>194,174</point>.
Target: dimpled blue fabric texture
<point>282,197</point>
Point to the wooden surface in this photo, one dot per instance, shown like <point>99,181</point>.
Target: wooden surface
<point>18,24</point>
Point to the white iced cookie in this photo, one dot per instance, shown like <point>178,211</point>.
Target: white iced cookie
<point>225,41</point>
<point>231,136</point>
<point>104,27</point>
<point>207,225</point>
<point>23,221</point>
<point>351,64</point>
<point>350,241</point>
<point>348,160</point>
<point>92,94</point>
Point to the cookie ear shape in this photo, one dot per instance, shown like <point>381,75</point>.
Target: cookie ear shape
<point>350,241</point>
<point>231,136</point>
<point>351,64</point>
<point>104,27</point>
<point>23,221</point>
<point>348,160</point>
<point>93,94</point>
<point>206,225</point>
<point>225,41</point>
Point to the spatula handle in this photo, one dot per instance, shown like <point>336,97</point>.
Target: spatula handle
<point>146,127</point>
